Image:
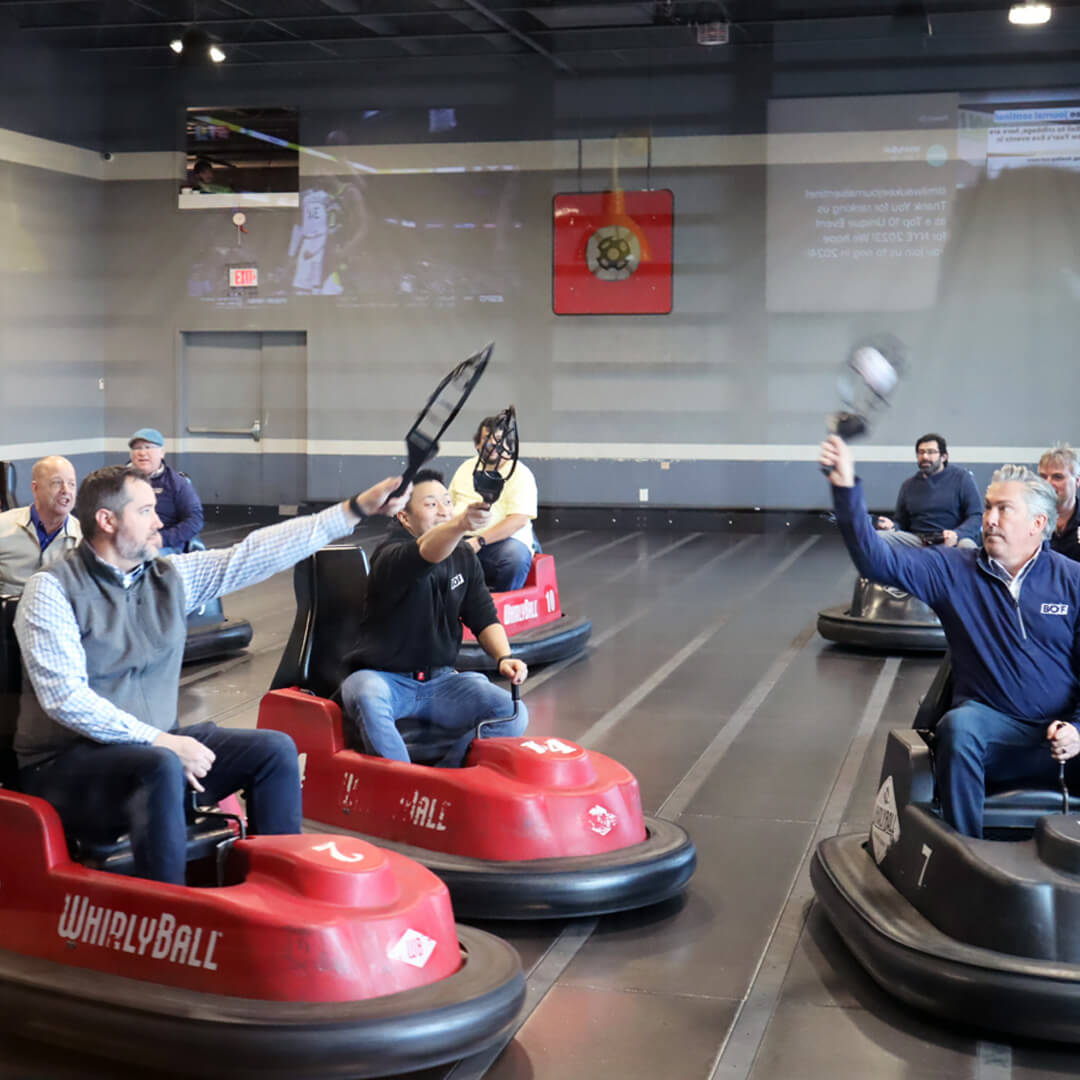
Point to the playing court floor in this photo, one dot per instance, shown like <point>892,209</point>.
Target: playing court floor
<point>706,677</point>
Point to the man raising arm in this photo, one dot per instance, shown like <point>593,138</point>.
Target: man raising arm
<point>102,638</point>
<point>406,701</point>
<point>1011,615</point>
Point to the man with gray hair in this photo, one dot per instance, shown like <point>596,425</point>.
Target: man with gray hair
<point>32,537</point>
<point>1011,615</point>
<point>1060,468</point>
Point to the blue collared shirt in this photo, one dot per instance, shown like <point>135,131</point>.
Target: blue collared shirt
<point>45,538</point>
<point>51,641</point>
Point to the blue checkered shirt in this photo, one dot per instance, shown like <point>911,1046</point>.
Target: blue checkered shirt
<point>51,641</point>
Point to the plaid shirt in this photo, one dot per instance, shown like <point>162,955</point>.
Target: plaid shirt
<point>51,641</point>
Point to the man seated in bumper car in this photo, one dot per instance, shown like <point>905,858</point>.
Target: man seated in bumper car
<point>1060,468</point>
<point>939,504</point>
<point>34,536</point>
<point>102,635</point>
<point>178,504</point>
<point>503,538</point>
<point>1011,615</point>
<point>405,701</point>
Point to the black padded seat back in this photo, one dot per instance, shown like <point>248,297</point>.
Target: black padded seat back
<point>330,588</point>
<point>7,486</point>
<point>10,689</point>
<point>938,699</point>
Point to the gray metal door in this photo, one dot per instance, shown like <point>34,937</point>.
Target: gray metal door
<point>243,417</point>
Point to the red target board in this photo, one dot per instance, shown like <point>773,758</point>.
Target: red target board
<point>612,253</point>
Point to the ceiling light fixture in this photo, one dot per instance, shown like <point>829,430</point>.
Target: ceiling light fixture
<point>1029,13</point>
<point>177,46</point>
<point>216,54</point>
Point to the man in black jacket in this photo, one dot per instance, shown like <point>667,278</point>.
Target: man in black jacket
<point>1061,470</point>
<point>406,701</point>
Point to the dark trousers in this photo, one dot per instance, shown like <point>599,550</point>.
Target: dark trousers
<point>102,790</point>
<point>978,746</point>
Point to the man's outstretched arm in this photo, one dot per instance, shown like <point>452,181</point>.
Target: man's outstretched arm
<point>268,551</point>
<point>918,571</point>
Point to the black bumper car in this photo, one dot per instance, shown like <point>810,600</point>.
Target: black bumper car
<point>985,932</point>
<point>211,635</point>
<point>315,957</point>
<point>883,617</point>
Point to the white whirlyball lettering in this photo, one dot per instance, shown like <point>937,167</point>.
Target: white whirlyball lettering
<point>162,935</point>
<point>515,613</point>
<point>425,811</point>
<point>885,824</point>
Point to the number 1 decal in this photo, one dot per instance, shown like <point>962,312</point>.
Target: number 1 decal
<point>927,851</point>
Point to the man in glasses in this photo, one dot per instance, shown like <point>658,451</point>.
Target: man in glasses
<point>939,504</point>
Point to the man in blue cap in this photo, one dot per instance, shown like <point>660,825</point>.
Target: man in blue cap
<point>178,504</point>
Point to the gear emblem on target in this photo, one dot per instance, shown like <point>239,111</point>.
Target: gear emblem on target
<point>613,253</point>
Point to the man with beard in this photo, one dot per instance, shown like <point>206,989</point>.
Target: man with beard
<point>102,638</point>
<point>1060,468</point>
<point>1011,615</point>
<point>939,504</point>
<point>32,537</point>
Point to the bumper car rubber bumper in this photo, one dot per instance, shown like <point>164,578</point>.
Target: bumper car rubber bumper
<point>544,645</point>
<point>108,1016</point>
<point>913,960</point>
<point>839,625</point>
<point>633,877</point>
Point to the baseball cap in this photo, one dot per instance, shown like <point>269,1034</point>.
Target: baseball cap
<point>148,434</point>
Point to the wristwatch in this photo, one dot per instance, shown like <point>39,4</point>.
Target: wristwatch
<point>354,508</point>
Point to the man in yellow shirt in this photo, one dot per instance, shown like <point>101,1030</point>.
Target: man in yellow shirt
<point>505,542</point>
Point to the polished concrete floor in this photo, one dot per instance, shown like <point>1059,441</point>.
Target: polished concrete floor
<point>706,678</point>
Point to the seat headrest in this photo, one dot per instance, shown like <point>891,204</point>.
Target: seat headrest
<point>330,588</point>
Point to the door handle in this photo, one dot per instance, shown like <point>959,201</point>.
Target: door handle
<point>255,431</point>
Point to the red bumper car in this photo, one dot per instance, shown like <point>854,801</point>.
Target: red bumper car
<point>529,828</point>
<point>539,632</point>
<point>315,956</point>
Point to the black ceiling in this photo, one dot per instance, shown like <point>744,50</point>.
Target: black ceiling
<point>579,36</point>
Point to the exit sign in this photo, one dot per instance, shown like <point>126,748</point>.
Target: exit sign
<point>243,277</point>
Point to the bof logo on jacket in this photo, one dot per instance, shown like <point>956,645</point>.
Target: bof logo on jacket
<point>1054,609</point>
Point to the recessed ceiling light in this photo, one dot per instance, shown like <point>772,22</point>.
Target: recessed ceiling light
<point>177,46</point>
<point>1029,14</point>
<point>216,54</point>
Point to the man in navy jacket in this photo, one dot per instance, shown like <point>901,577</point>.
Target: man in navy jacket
<point>1011,615</point>
<point>178,504</point>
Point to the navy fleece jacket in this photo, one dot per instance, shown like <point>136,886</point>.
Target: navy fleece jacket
<point>947,500</point>
<point>1019,657</point>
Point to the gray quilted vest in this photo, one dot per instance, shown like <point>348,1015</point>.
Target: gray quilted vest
<point>134,644</point>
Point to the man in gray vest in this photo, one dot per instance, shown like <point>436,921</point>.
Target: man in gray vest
<point>34,536</point>
<point>102,638</point>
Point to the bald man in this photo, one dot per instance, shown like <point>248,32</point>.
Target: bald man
<point>35,536</point>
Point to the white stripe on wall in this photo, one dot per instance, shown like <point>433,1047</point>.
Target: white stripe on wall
<point>970,455</point>
<point>555,155</point>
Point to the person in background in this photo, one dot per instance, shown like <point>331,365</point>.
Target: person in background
<point>1060,468</point>
<point>939,504</point>
<point>32,537</point>
<point>178,504</point>
<point>504,541</point>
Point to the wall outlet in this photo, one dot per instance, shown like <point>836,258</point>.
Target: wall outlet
<point>643,494</point>
<point>288,509</point>
<point>665,465</point>
<point>101,384</point>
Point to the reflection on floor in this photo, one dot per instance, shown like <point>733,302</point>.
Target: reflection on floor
<point>705,677</point>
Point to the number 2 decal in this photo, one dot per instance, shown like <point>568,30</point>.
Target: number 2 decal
<point>927,851</point>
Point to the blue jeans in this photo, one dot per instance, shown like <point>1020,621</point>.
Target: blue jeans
<point>977,746</point>
<point>506,564</point>
<point>102,790</point>
<point>431,722</point>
